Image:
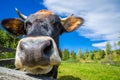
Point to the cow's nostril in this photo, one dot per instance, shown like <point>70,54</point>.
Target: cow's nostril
<point>47,49</point>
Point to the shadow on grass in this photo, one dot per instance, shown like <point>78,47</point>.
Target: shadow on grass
<point>68,77</point>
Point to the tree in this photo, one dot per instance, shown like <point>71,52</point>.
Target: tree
<point>7,40</point>
<point>73,55</point>
<point>108,48</point>
<point>119,44</point>
<point>108,51</point>
<point>91,56</point>
<point>86,54</point>
<point>80,55</point>
<point>65,54</point>
<point>102,54</point>
<point>99,55</point>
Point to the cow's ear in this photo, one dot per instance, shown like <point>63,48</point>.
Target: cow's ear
<point>71,23</point>
<point>14,26</point>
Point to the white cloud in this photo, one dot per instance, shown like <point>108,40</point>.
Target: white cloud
<point>102,45</point>
<point>102,17</point>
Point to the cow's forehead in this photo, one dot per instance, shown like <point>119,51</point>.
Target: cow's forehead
<point>44,12</point>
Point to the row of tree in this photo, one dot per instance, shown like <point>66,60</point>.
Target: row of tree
<point>93,55</point>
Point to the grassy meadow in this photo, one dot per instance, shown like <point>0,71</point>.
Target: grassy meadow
<point>88,71</point>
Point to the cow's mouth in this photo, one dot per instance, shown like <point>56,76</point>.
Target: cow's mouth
<point>38,69</point>
<point>37,54</point>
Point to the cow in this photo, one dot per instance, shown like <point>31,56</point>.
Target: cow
<point>38,52</point>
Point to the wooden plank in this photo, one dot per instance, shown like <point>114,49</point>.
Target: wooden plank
<point>12,74</point>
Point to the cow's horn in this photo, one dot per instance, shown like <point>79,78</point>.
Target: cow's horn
<point>20,14</point>
<point>64,19</point>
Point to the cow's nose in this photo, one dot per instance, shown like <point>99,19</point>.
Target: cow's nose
<point>35,52</point>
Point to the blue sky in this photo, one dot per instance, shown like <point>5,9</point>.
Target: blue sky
<point>102,19</point>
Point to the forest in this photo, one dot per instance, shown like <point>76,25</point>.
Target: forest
<point>103,56</point>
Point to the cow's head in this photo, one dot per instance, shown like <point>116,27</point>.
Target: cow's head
<point>38,52</point>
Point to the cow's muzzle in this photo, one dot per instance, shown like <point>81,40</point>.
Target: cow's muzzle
<point>37,52</point>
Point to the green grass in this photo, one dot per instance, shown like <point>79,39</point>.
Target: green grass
<point>88,71</point>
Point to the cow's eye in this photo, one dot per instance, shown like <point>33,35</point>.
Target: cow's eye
<point>28,24</point>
